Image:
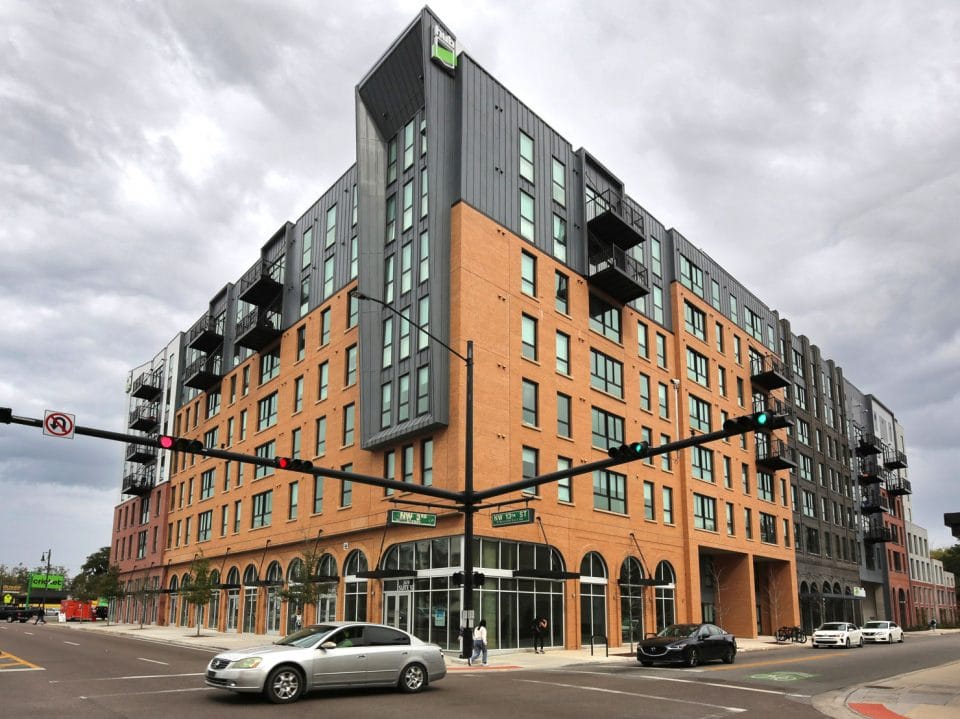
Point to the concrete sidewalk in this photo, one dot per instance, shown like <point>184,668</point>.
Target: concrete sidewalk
<point>926,694</point>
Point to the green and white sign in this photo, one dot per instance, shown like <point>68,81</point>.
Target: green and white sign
<point>419,519</point>
<point>443,51</point>
<point>46,581</point>
<point>514,516</point>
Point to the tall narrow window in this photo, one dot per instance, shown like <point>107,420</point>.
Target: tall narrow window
<point>424,272</point>
<point>563,353</point>
<point>527,219</point>
<point>528,274</point>
<point>423,192</point>
<point>330,231</point>
<point>526,157</point>
<point>530,403</point>
<point>564,410</point>
<point>390,233</point>
<point>561,286</point>
<point>407,205</point>
<point>408,144</point>
<point>559,238</point>
<point>528,337</point>
<point>559,177</point>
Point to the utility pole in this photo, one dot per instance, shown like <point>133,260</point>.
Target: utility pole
<point>46,579</point>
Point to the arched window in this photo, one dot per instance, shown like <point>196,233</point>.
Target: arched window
<point>631,600</point>
<point>803,588</point>
<point>355,588</point>
<point>174,584</point>
<point>327,590</point>
<point>665,596</point>
<point>233,599</point>
<point>213,610</point>
<point>250,594</point>
<point>593,597</point>
<point>185,581</point>
<point>275,579</point>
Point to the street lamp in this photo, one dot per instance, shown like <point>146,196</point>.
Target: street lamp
<point>468,500</point>
<point>46,579</point>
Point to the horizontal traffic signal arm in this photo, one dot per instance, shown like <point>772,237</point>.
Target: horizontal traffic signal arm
<point>193,446</point>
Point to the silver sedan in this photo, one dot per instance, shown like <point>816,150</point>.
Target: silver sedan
<point>327,656</point>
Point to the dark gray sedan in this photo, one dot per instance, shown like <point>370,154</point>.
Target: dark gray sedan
<point>327,656</point>
<point>688,644</point>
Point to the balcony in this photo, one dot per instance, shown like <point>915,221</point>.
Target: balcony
<point>871,471</point>
<point>258,328</point>
<point>868,444</point>
<point>148,385</point>
<point>145,417</point>
<point>613,221</point>
<point>615,272</point>
<point>137,483</point>
<point>774,455</point>
<point>898,486</point>
<point>873,501</point>
<point>261,284</point>
<point>875,535</point>
<point>768,373</point>
<point>894,459</point>
<point>207,334</point>
<point>204,373</point>
<point>140,453</point>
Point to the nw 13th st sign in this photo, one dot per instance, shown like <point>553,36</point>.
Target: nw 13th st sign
<point>514,516</point>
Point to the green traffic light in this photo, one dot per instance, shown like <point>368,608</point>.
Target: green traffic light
<point>762,418</point>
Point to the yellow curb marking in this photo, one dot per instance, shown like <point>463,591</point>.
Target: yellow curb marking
<point>14,661</point>
<point>772,662</point>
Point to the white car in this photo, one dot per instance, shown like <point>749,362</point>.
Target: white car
<point>882,631</point>
<point>837,634</point>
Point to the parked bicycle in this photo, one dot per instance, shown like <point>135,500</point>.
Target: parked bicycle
<point>791,634</point>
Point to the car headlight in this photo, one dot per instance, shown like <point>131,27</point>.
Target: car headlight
<point>248,663</point>
<point>676,646</point>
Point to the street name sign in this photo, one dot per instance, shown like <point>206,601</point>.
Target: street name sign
<point>513,516</point>
<point>418,519</point>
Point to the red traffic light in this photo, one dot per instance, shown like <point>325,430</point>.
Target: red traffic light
<point>179,444</point>
<point>294,465</point>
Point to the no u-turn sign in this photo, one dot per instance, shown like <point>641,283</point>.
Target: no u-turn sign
<point>58,424</point>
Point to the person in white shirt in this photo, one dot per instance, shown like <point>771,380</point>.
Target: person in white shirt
<point>479,643</point>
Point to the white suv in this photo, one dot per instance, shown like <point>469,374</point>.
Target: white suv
<point>837,634</point>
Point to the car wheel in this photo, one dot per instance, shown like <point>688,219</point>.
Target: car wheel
<point>693,657</point>
<point>861,642</point>
<point>847,644</point>
<point>413,678</point>
<point>901,638</point>
<point>284,685</point>
<point>729,655</point>
<point>646,663</point>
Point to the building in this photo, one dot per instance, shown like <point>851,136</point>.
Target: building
<point>484,238</point>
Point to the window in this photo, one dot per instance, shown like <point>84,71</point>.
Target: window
<point>719,334</point>
<point>528,337</point>
<point>426,462</point>
<point>715,294</point>
<point>563,353</point>
<point>328,267</point>
<point>530,403</point>
<point>667,505</point>
<point>423,390</point>
<point>348,424</point>
<point>702,463</point>
<point>389,468</point>
<point>607,429</point>
<point>354,256</point>
<point>605,318</point>
<point>704,512</point>
<point>269,365</point>
<point>665,461</point>
<point>809,504</point>
<point>423,317</point>
<point>528,274</point>
<point>747,523</point>
<point>267,412</point>
<point>424,270</point>
<point>559,238</point>
<point>691,276</point>
<point>293,499</point>
<point>609,491</point>
<point>407,217</point>
<point>663,400</point>
<point>697,368</point>
<point>204,525</point>
<point>699,414</point>
<point>424,205</point>
<point>768,528</point>
<point>661,351</point>
<point>526,157</point>
<point>391,160</point>
<point>386,404</point>
<point>657,296</point>
<point>564,410</point>
<point>408,145</point>
<point>317,495</point>
<point>606,374</point>
<point>390,233</point>
<point>642,347</point>
<point>330,228</point>
<point>406,464</point>
<point>694,321</point>
<point>644,392</point>
<point>765,486</point>
<point>531,464</point>
<point>559,178</point>
<point>406,268</point>
<point>731,526</point>
<point>262,509</point>
<point>206,483</point>
<point>325,326</point>
<point>307,251</point>
<point>265,451</point>
<point>387,353</point>
<point>564,489</point>
<point>346,488</point>
<point>562,291</point>
<point>649,508</point>
<point>298,394</point>
<point>301,342</point>
<point>237,506</point>
<point>350,362</point>
<point>323,381</point>
<point>403,398</point>
<point>527,221</point>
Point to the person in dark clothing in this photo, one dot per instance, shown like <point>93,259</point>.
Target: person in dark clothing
<point>40,619</point>
<point>539,632</point>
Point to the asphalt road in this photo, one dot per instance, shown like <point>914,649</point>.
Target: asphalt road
<point>86,675</point>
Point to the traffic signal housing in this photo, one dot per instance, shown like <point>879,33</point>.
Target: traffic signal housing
<point>457,579</point>
<point>629,451</point>
<point>294,465</point>
<point>180,444</point>
<point>757,422</point>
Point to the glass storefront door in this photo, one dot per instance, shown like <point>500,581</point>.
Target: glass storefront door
<point>396,610</point>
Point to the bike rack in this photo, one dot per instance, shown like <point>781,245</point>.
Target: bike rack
<point>606,646</point>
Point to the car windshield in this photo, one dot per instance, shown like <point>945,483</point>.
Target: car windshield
<point>875,625</point>
<point>832,627</point>
<point>679,630</point>
<point>306,637</point>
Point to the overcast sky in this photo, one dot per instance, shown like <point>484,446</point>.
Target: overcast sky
<point>148,150</point>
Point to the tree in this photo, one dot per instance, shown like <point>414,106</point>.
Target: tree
<point>86,585</point>
<point>108,585</point>
<point>775,598</point>
<point>304,588</point>
<point>199,589</point>
<point>715,575</point>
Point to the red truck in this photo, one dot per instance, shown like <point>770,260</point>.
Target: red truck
<point>76,611</point>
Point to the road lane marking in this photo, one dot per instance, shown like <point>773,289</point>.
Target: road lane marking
<point>695,681</point>
<point>733,710</point>
<point>137,694</point>
<point>153,661</point>
<point>12,663</point>
<point>769,662</point>
<point>140,676</point>
<point>75,644</point>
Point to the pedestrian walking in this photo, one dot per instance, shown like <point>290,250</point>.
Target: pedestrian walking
<point>539,632</point>
<point>298,621</point>
<point>479,643</point>
<point>933,624</point>
<point>40,619</point>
